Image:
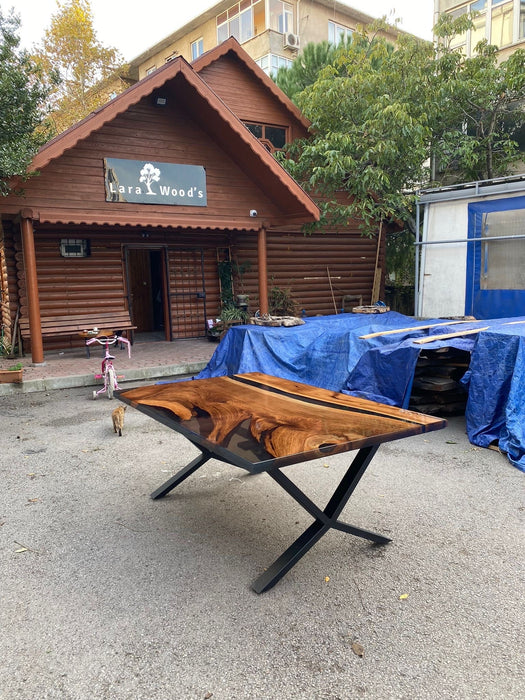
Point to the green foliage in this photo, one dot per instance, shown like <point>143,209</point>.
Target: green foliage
<point>305,70</point>
<point>383,115</point>
<point>226,282</point>
<point>400,258</point>
<point>22,95</point>
<point>233,313</point>
<point>370,133</point>
<point>484,111</point>
<point>239,269</point>
<point>80,70</point>
<point>281,302</point>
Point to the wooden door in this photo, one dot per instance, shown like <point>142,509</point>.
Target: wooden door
<point>140,289</point>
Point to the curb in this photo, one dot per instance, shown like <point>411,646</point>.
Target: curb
<point>70,382</point>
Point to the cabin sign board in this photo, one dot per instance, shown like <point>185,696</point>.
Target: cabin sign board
<point>148,182</point>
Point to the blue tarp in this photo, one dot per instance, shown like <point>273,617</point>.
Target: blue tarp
<point>327,352</point>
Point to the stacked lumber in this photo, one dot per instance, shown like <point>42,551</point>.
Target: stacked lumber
<point>436,389</point>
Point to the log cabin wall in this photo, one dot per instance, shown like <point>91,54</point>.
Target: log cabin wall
<point>303,264</point>
<point>73,185</point>
<point>181,244</point>
<point>100,281</point>
<point>11,236</point>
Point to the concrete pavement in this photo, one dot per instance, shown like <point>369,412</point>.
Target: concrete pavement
<point>64,369</point>
<point>108,595</point>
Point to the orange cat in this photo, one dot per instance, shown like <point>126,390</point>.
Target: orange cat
<point>118,419</point>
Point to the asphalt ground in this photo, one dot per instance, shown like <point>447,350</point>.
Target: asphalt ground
<point>107,594</point>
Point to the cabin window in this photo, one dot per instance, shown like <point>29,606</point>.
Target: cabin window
<point>150,70</point>
<point>272,137</point>
<point>74,248</point>
<point>197,48</point>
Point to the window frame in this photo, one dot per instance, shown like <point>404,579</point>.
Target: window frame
<point>271,62</point>
<point>198,44</point>
<point>233,21</point>
<point>263,138</point>
<point>491,11</point>
<point>347,31</point>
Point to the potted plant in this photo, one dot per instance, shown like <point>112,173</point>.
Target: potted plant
<point>239,268</point>
<point>232,315</point>
<point>12,375</point>
<point>214,329</point>
<point>281,302</point>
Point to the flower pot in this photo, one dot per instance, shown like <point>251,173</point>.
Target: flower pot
<point>11,376</point>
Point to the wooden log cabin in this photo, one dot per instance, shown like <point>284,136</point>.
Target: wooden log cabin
<point>135,207</point>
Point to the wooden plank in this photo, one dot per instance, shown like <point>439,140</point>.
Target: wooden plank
<point>376,286</point>
<point>411,328</point>
<point>444,336</point>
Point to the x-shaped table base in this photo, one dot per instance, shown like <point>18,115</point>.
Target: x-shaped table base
<point>324,520</point>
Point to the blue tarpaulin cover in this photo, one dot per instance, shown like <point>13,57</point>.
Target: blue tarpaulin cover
<point>327,352</point>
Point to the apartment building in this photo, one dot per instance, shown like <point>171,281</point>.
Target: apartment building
<point>272,32</point>
<point>500,22</point>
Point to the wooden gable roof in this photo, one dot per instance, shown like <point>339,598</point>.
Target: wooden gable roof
<point>217,67</point>
<point>288,202</point>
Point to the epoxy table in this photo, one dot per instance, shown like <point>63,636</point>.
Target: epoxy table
<point>262,423</point>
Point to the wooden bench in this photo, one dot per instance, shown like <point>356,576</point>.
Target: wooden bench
<point>78,324</point>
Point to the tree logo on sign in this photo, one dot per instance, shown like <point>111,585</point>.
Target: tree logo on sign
<point>149,174</point>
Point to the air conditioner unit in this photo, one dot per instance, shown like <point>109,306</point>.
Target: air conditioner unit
<point>291,41</point>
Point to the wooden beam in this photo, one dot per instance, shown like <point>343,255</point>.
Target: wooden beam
<point>444,336</point>
<point>376,286</point>
<point>263,271</point>
<point>331,289</point>
<point>33,301</point>
<point>412,328</point>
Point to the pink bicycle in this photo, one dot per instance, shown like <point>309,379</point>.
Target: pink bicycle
<point>109,373</point>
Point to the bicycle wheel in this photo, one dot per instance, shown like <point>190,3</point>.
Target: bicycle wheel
<point>112,382</point>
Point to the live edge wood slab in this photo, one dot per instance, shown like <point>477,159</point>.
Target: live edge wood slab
<point>262,423</point>
<point>256,420</point>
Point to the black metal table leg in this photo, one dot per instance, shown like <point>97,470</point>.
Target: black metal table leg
<point>179,477</point>
<point>324,519</point>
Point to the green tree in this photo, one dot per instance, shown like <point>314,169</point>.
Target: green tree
<point>484,110</point>
<point>305,70</point>
<point>83,73</point>
<point>370,130</point>
<point>381,115</point>
<point>22,96</point>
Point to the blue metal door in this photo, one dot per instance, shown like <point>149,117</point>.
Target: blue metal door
<point>496,259</point>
